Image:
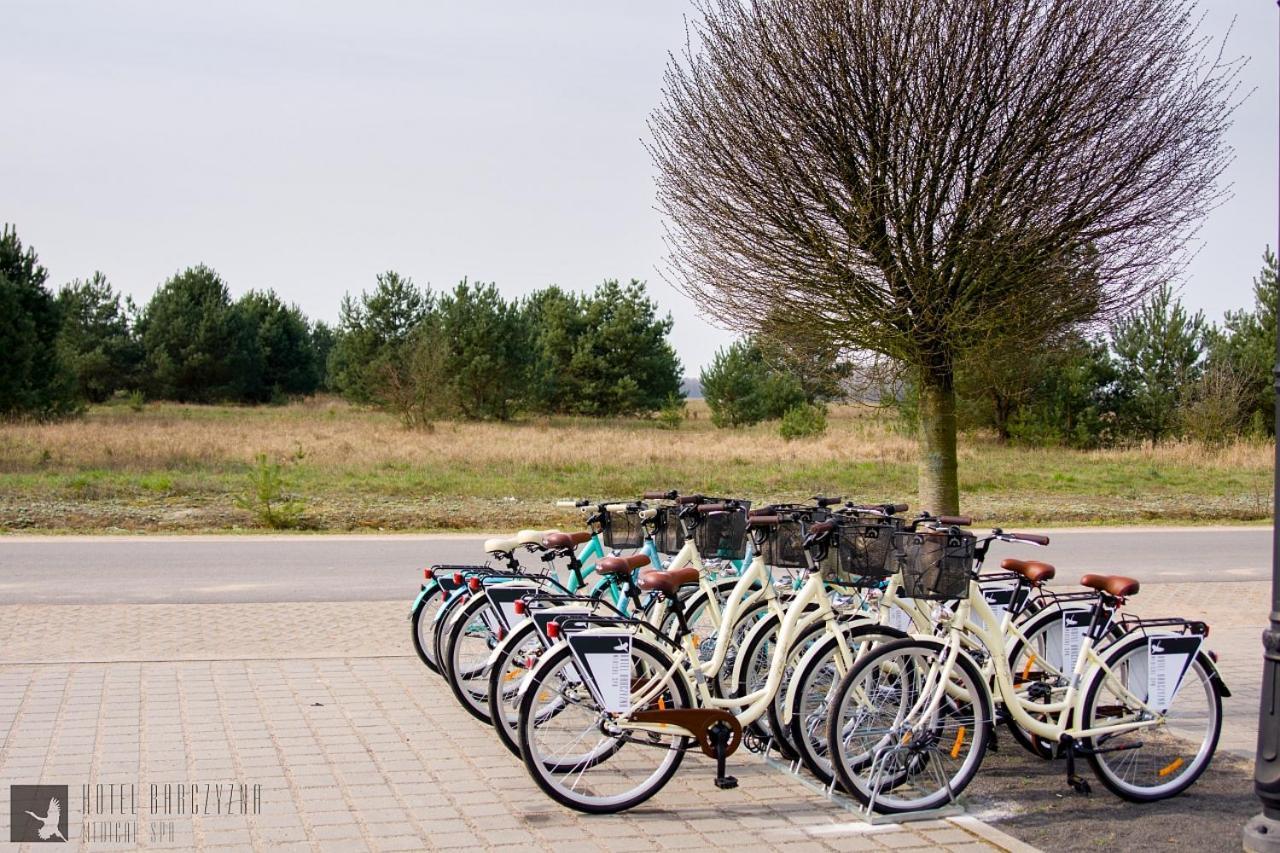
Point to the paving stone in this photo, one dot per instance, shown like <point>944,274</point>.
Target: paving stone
<point>225,692</point>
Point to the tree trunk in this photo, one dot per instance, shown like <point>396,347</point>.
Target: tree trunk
<point>939,484</point>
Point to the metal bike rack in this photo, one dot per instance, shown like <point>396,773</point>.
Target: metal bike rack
<point>865,814</point>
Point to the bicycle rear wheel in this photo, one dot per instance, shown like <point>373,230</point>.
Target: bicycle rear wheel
<point>423,622</point>
<point>904,735</point>
<point>1143,765</point>
<point>472,638</point>
<point>516,654</point>
<point>577,756</point>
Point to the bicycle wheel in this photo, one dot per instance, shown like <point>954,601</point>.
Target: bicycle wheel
<point>813,686</point>
<point>422,622</point>
<point>751,673</point>
<point>472,638</point>
<point>1160,761</point>
<point>577,756</point>
<point>513,660</point>
<point>797,652</point>
<point>905,735</point>
<point>440,628</point>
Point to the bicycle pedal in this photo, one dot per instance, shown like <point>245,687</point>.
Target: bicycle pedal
<point>1080,785</point>
<point>726,782</point>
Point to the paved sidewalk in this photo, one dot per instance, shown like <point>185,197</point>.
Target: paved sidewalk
<point>354,744</point>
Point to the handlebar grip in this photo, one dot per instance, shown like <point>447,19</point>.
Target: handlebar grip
<point>657,496</point>
<point>709,508</point>
<point>763,520</point>
<point>1033,538</point>
<point>825,501</point>
<point>821,527</point>
<point>954,520</point>
<point>689,499</point>
<point>567,503</point>
<point>897,507</point>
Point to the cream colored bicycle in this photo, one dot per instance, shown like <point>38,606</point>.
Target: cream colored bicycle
<point>911,721</point>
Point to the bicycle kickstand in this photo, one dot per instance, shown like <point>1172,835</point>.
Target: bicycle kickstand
<point>720,735</point>
<point>1079,784</point>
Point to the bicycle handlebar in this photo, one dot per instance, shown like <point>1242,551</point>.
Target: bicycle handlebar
<point>1032,538</point>
<point>954,520</point>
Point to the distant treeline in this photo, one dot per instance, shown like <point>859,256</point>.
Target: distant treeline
<point>466,352</point>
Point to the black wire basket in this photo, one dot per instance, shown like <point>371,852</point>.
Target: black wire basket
<point>860,551</point>
<point>784,546</point>
<point>936,565</point>
<point>723,535</point>
<point>622,530</point>
<point>668,532</point>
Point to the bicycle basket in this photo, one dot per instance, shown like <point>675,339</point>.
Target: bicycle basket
<point>668,533</point>
<point>936,565</point>
<point>622,530</point>
<point>784,547</point>
<point>861,551</point>
<point>723,535</point>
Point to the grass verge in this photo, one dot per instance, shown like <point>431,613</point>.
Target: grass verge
<point>180,468</point>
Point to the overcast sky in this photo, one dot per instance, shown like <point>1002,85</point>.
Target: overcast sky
<point>307,146</point>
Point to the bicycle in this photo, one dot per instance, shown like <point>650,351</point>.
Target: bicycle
<point>911,721</point>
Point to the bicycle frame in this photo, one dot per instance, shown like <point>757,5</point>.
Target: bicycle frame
<point>813,592</point>
<point>1089,666</point>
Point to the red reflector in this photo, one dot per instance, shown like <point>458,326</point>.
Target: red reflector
<point>529,662</point>
<point>553,629</point>
<point>519,607</point>
<point>473,583</point>
<point>1213,656</point>
<point>501,635</point>
<point>428,574</point>
<point>457,578</point>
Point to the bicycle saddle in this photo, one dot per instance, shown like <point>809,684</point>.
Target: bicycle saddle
<point>1117,585</point>
<point>1033,570</point>
<point>669,581</point>
<point>622,565</point>
<point>564,541</point>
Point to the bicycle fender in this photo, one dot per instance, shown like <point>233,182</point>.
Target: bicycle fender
<point>1215,675</point>
<point>422,596</point>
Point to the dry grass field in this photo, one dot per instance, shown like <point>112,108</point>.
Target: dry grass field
<point>180,468</point>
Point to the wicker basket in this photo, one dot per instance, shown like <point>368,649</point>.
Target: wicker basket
<point>723,535</point>
<point>860,551</point>
<point>784,546</point>
<point>621,530</point>
<point>668,532</point>
<point>936,565</point>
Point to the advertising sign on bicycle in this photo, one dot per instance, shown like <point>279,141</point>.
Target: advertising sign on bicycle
<point>606,658</point>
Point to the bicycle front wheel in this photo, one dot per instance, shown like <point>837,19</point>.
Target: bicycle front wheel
<point>579,756</point>
<point>905,732</point>
<point>1155,762</point>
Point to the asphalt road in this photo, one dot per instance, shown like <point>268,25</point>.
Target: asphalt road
<point>95,570</point>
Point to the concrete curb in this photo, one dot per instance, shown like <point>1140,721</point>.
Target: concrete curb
<point>992,835</point>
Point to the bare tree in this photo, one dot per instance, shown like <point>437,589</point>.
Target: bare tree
<point>920,178</point>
